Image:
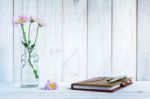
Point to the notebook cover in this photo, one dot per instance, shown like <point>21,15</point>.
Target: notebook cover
<point>102,81</point>
<point>113,90</point>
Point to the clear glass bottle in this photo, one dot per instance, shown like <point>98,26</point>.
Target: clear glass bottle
<point>29,70</point>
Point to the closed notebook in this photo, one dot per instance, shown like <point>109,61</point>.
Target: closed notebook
<point>101,84</point>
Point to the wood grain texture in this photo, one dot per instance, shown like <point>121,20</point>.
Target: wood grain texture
<point>143,69</point>
<point>17,42</point>
<point>6,40</point>
<point>50,40</point>
<point>138,90</point>
<point>124,38</point>
<point>74,40</point>
<point>99,38</point>
<point>27,8</point>
<point>79,39</point>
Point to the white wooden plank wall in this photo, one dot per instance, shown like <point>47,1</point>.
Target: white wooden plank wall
<point>124,38</point>
<point>50,40</point>
<point>6,40</point>
<point>99,38</point>
<point>83,38</point>
<point>74,65</point>
<point>143,40</point>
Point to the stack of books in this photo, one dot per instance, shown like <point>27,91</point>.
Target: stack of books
<point>103,84</point>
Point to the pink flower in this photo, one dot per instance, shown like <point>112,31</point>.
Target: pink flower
<point>20,20</point>
<point>50,85</point>
<point>40,22</point>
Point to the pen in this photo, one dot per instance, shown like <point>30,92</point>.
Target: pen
<point>117,78</point>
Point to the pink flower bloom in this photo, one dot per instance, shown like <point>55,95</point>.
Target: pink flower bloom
<point>51,85</point>
<point>20,20</point>
<point>40,22</point>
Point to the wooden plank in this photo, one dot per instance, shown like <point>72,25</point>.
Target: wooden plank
<point>143,56</point>
<point>74,40</point>
<point>27,8</point>
<point>17,42</point>
<point>6,40</point>
<point>124,38</point>
<point>58,40</point>
<point>50,40</point>
<point>99,38</point>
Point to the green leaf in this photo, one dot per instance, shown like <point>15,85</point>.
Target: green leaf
<point>25,44</point>
<point>32,46</point>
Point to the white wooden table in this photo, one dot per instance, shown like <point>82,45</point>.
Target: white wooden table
<point>139,90</point>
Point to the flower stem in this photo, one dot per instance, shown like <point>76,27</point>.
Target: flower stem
<point>24,34</point>
<point>33,68</point>
<point>29,52</point>
<point>29,32</point>
<point>37,30</point>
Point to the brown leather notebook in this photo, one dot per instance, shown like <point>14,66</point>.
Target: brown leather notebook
<point>101,84</point>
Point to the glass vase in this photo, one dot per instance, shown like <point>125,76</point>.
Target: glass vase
<point>29,69</point>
